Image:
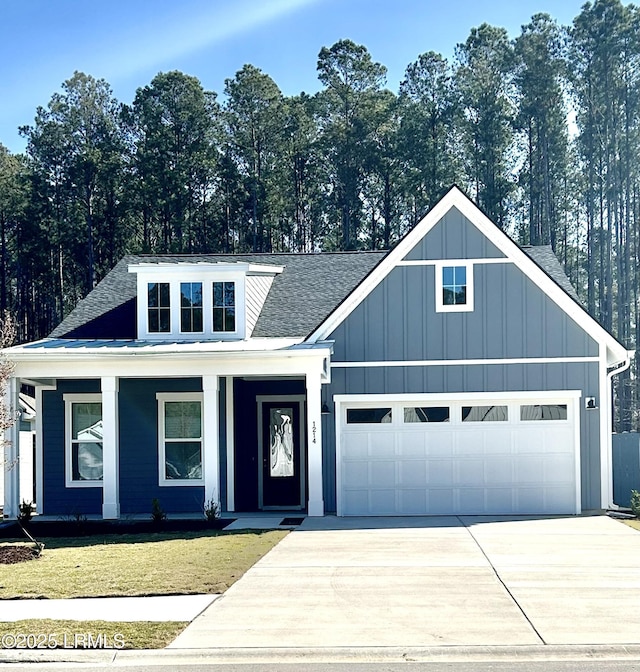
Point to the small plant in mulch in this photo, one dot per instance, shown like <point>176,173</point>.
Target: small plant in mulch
<point>212,510</point>
<point>158,515</point>
<point>25,512</point>
<point>11,555</point>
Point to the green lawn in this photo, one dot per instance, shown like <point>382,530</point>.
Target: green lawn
<point>126,565</point>
<point>144,564</point>
<point>50,634</point>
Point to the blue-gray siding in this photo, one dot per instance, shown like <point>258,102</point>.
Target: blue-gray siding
<point>139,481</point>
<point>512,319</point>
<point>57,498</point>
<point>453,238</point>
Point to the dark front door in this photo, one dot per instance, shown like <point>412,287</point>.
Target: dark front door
<point>282,468</point>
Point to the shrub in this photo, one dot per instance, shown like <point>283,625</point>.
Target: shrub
<point>635,503</point>
<point>26,511</point>
<point>211,510</point>
<point>157,512</point>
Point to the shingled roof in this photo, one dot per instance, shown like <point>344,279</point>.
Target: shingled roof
<point>308,289</point>
<point>301,297</point>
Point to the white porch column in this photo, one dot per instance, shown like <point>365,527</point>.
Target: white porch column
<point>11,464</point>
<point>110,449</point>
<point>211,455</point>
<point>231,465</point>
<point>314,443</point>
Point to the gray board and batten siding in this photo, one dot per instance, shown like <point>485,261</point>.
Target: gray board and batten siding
<point>512,319</point>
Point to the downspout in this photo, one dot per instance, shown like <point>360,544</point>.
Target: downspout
<point>624,365</point>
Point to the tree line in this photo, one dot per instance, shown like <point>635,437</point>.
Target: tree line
<point>542,131</point>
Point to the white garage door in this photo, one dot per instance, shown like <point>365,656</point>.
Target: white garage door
<point>429,455</point>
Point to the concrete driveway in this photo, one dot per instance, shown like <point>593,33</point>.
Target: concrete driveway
<point>446,581</point>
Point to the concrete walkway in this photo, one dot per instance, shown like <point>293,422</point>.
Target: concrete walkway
<point>424,582</point>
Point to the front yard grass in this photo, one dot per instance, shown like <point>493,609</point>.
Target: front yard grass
<point>633,523</point>
<point>50,634</point>
<point>140,564</point>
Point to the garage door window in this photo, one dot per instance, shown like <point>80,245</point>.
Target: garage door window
<point>543,412</point>
<point>484,414</point>
<point>368,416</point>
<point>426,414</point>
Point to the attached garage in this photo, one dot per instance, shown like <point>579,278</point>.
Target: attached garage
<point>514,453</point>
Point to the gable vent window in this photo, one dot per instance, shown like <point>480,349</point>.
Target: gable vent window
<point>224,306</point>
<point>191,307</point>
<point>454,287</point>
<point>159,307</point>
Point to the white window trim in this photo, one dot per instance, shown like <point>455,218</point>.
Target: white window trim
<point>459,307</point>
<point>162,398</point>
<point>69,400</point>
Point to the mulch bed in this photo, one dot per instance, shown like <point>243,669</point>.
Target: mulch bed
<point>82,528</point>
<point>11,555</point>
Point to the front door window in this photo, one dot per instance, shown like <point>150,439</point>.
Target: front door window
<point>281,442</point>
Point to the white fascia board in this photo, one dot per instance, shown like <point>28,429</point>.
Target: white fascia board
<point>200,266</point>
<point>455,198</point>
<point>546,395</point>
<point>291,364</point>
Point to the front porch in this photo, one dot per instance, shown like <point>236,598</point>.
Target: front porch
<point>242,415</point>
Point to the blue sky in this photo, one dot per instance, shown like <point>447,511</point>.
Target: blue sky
<point>127,42</point>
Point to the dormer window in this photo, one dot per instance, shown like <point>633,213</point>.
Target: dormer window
<point>199,301</point>
<point>159,307</point>
<point>191,307</point>
<point>224,306</point>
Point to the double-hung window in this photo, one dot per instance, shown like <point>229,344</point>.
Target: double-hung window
<point>83,439</point>
<point>454,286</point>
<point>224,306</point>
<point>191,307</point>
<point>158,307</point>
<point>180,438</point>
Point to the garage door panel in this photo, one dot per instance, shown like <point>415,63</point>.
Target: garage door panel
<point>412,444</point>
<point>439,444</point>
<point>413,502</point>
<point>529,469</point>
<point>414,465</point>
<point>381,444</point>
<point>498,470</point>
<point>357,447</point>
<point>558,469</point>
<point>440,500</point>
<point>354,474</point>
<point>470,472</point>
<point>500,499</point>
<point>383,474</point>
<point>471,500</point>
<point>412,473</point>
<point>441,472</point>
<point>382,502</point>
<point>558,499</point>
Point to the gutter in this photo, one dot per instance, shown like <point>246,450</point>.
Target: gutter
<point>622,366</point>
